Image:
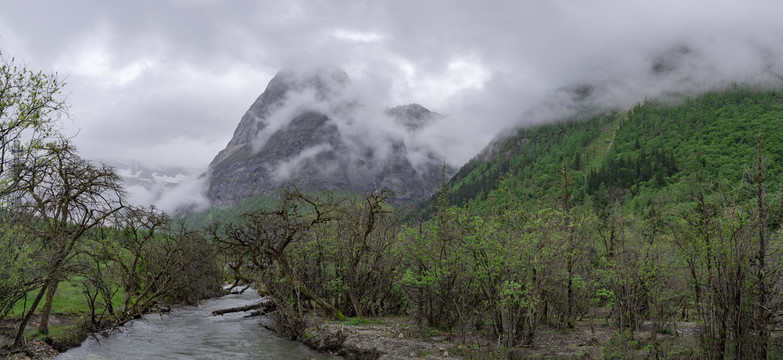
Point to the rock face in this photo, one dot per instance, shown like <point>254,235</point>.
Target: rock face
<point>306,130</point>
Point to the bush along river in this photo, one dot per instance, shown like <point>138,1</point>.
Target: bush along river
<point>194,333</point>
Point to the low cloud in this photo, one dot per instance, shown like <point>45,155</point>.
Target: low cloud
<point>169,192</point>
<point>284,169</point>
<point>367,129</point>
<point>176,76</point>
<point>190,193</point>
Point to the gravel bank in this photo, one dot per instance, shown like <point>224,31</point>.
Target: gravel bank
<point>392,339</point>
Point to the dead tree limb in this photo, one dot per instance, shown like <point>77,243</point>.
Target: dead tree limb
<point>264,307</point>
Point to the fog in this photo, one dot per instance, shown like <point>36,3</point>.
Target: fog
<point>164,83</point>
<point>366,128</point>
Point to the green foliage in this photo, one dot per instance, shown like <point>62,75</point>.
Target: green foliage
<point>30,105</point>
<point>625,227</point>
<point>526,156</point>
<point>143,260</point>
<point>21,267</point>
<point>622,346</point>
<point>649,216</point>
<point>647,152</point>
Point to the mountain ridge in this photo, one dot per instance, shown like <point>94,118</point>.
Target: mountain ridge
<point>306,130</point>
<point>655,145</point>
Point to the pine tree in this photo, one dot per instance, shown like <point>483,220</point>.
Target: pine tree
<point>443,204</point>
<point>762,312</point>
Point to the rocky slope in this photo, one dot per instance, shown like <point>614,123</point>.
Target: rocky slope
<point>307,130</point>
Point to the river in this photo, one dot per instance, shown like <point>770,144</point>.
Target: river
<point>193,333</point>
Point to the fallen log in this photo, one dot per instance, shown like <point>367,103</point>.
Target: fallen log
<point>262,307</point>
<point>255,313</point>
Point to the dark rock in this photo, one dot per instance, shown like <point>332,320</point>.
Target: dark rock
<point>332,340</point>
<point>412,116</point>
<point>311,150</point>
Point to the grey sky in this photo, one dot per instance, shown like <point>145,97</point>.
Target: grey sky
<point>166,82</point>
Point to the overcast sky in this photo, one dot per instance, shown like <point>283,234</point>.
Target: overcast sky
<point>166,82</point>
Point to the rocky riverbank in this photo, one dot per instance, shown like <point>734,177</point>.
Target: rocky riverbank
<point>44,348</point>
<point>381,339</point>
<point>399,338</point>
<point>34,350</point>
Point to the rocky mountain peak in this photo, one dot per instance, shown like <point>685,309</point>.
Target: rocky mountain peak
<point>412,116</point>
<point>303,130</point>
<point>323,83</point>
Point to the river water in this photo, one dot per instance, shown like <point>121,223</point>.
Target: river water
<point>193,333</point>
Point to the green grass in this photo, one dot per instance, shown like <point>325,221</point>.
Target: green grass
<point>362,321</point>
<point>69,299</point>
<point>58,332</point>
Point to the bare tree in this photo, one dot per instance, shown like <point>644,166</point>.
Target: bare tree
<point>145,259</point>
<point>30,107</point>
<point>123,253</point>
<point>65,196</point>
<point>357,224</point>
<point>262,242</point>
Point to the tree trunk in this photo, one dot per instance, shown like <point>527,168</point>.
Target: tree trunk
<point>762,313</point>
<point>265,307</point>
<point>18,342</point>
<point>352,293</point>
<point>507,327</point>
<point>570,291</point>
<point>43,328</point>
<point>302,288</point>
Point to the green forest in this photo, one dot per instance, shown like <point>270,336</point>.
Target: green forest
<point>663,216</point>
<point>654,220</point>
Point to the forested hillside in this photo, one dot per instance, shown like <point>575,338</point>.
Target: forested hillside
<point>647,152</point>
<point>532,153</point>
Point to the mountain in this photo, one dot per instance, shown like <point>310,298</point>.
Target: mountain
<point>307,130</point>
<point>147,186</point>
<point>648,153</point>
<point>134,174</point>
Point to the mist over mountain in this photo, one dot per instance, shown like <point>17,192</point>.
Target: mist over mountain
<point>310,129</point>
<point>168,188</point>
<point>317,127</point>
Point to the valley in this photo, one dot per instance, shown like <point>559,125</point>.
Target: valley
<point>391,180</point>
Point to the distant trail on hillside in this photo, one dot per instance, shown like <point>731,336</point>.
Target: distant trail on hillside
<point>611,141</point>
<point>614,133</point>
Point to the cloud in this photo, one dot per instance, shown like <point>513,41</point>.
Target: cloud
<point>284,169</point>
<point>191,192</point>
<point>167,81</point>
<point>357,36</point>
<point>365,133</point>
<point>294,104</point>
